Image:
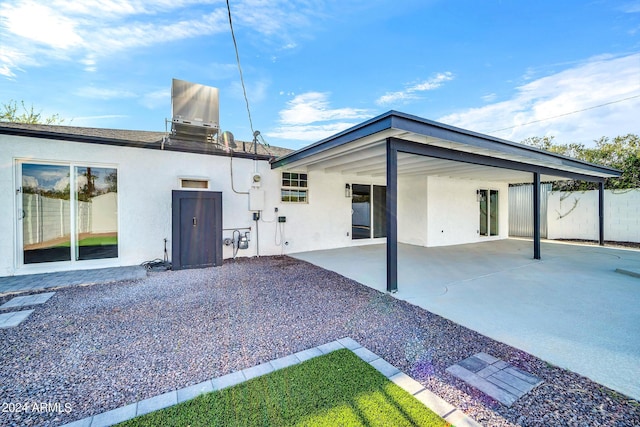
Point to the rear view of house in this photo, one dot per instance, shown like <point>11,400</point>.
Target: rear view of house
<point>77,198</point>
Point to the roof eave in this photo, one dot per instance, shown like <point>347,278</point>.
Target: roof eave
<point>153,145</point>
<point>410,123</point>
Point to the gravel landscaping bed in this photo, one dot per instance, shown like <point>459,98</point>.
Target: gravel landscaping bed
<point>100,347</point>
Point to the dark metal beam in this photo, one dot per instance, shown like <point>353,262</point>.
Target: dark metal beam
<point>601,213</point>
<point>401,122</point>
<point>536,215</point>
<point>391,209</point>
<point>479,159</point>
<point>370,127</point>
<point>450,133</point>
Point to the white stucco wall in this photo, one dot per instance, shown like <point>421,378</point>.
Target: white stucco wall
<point>145,181</point>
<point>453,211</point>
<point>574,215</point>
<point>412,210</point>
<point>325,222</point>
<point>431,211</point>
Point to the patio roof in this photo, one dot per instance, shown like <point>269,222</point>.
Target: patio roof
<point>395,144</point>
<point>452,152</point>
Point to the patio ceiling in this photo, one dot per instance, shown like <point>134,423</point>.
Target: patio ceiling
<point>362,151</point>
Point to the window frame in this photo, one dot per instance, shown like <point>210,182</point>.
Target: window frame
<point>293,186</point>
<point>489,232</point>
<point>185,181</point>
<point>72,166</point>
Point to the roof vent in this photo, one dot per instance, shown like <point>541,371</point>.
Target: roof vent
<point>228,141</point>
<point>195,111</point>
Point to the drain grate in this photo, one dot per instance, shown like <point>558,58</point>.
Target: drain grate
<point>494,377</point>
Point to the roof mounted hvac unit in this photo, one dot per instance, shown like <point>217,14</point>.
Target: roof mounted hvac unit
<point>195,111</point>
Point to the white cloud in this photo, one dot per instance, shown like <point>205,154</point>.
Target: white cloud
<point>413,91</point>
<point>90,63</point>
<point>598,81</point>
<point>6,71</point>
<point>309,117</point>
<point>256,90</point>
<point>29,181</point>
<point>42,24</point>
<point>85,31</point>
<point>103,93</point>
<point>309,132</point>
<point>91,119</point>
<point>631,7</point>
<point>490,97</point>
<point>157,99</point>
<point>312,107</point>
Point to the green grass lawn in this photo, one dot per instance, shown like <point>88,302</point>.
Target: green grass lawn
<point>93,241</point>
<point>335,389</point>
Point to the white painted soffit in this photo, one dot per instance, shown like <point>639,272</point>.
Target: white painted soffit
<point>367,157</point>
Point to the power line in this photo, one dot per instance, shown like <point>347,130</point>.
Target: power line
<point>566,114</point>
<point>244,90</point>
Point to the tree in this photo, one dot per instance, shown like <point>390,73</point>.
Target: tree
<point>12,112</point>
<point>623,153</point>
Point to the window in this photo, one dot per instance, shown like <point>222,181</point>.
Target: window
<point>294,187</point>
<point>197,183</point>
<point>69,213</point>
<point>368,208</point>
<point>488,212</point>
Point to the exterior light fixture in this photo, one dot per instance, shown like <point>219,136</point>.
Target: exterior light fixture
<point>347,190</point>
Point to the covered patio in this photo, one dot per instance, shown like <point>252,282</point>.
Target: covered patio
<point>571,309</point>
<point>420,158</point>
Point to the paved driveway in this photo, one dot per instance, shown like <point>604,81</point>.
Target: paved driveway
<point>571,308</point>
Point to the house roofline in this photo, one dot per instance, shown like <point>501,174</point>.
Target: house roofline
<point>402,121</point>
<point>155,145</point>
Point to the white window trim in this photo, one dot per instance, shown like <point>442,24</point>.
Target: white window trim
<point>489,235</point>
<point>294,188</point>
<point>181,180</point>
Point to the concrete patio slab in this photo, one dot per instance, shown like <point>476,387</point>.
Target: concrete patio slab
<point>13,319</point>
<point>27,300</point>
<point>570,308</point>
<point>629,271</point>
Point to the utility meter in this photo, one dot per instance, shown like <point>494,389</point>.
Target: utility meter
<point>243,242</point>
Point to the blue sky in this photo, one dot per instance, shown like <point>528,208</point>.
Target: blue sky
<point>315,67</point>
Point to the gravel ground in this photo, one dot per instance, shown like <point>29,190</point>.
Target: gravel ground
<point>100,347</point>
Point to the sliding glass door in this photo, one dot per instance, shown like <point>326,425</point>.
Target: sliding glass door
<point>360,211</point>
<point>59,224</point>
<point>368,211</point>
<point>488,212</point>
<point>46,213</point>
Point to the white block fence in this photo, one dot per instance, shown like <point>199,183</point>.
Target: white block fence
<point>574,215</point>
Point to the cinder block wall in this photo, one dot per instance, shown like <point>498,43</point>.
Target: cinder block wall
<point>574,215</point>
